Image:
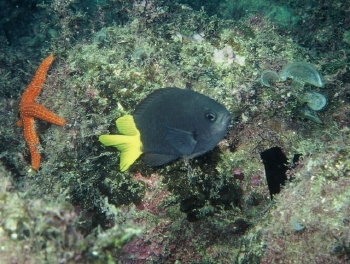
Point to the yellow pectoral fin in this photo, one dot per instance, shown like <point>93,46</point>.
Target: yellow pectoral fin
<point>129,146</point>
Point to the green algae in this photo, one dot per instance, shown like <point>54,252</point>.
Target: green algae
<point>310,114</point>
<point>302,72</point>
<point>48,230</point>
<point>315,101</point>
<point>269,78</point>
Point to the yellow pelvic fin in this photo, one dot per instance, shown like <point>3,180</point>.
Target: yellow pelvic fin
<point>129,144</point>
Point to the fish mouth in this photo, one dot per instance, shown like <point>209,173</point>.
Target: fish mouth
<point>222,123</point>
<point>225,119</point>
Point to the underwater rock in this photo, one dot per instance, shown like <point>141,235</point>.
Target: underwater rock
<point>197,38</point>
<point>52,33</point>
<point>100,36</point>
<point>315,101</point>
<point>269,78</point>
<point>296,224</point>
<point>224,56</point>
<point>310,114</point>
<point>302,71</point>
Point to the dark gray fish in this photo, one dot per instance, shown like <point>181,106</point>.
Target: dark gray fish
<point>168,124</point>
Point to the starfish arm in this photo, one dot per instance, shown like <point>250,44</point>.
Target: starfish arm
<point>32,141</point>
<point>41,112</point>
<point>35,157</point>
<point>35,86</point>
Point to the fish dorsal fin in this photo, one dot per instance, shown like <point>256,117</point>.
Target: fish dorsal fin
<point>129,144</point>
<point>126,125</point>
<point>183,141</point>
<point>151,98</point>
<point>156,159</point>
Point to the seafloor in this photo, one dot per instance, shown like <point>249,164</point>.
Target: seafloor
<point>79,208</point>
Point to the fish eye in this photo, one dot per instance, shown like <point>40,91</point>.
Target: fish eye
<point>210,116</point>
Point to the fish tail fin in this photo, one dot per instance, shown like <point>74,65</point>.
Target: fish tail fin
<point>129,144</point>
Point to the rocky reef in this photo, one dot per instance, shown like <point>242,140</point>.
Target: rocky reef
<point>79,208</point>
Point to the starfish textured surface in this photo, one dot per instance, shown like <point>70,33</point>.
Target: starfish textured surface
<point>29,109</point>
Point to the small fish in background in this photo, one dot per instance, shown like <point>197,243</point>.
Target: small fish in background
<point>168,124</point>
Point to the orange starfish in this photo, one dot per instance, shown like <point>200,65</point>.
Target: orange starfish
<point>28,110</point>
